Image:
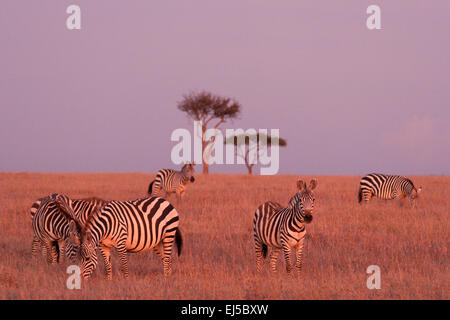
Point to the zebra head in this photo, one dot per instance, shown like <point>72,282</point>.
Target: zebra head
<point>188,171</point>
<point>73,241</point>
<point>415,193</point>
<point>303,200</point>
<point>64,205</point>
<point>88,254</point>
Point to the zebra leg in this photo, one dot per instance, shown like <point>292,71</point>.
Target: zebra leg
<point>299,253</point>
<point>122,251</point>
<point>52,255</point>
<point>259,254</point>
<point>167,254</point>
<point>35,245</point>
<point>43,250</point>
<point>367,195</point>
<point>273,259</point>
<point>106,254</point>
<point>62,250</point>
<point>287,256</point>
<point>158,252</point>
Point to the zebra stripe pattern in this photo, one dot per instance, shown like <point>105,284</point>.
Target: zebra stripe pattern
<point>387,187</point>
<point>130,226</point>
<point>81,208</point>
<point>52,224</point>
<point>169,181</point>
<point>284,228</point>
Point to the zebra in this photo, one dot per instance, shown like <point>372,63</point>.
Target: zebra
<point>284,228</point>
<point>387,187</point>
<point>169,181</point>
<point>53,223</point>
<point>130,226</point>
<point>82,209</point>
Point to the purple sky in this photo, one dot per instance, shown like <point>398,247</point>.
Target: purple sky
<point>347,100</point>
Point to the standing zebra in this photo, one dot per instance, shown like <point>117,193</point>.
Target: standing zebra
<point>81,208</point>
<point>169,181</point>
<point>130,226</point>
<point>284,228</point>
<point>53,223</point>
<point>387,187</point>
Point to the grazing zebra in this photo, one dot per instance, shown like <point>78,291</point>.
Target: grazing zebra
<point>53,222</point>
<point>387,187</point>
<point>130,226</point>
<point>169,181</point>
<point>82,209</point>
<point>284,228</point>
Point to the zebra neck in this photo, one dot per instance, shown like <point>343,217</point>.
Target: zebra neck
<point>297,219</point>
<point>96,229</point>
<point>184,178</point>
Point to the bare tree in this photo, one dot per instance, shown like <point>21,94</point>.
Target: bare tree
<point>212,110</point>
<point>244,140</point>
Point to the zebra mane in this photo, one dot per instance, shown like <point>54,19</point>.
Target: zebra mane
<point>294,201</point>
<point>67,215</point>
<point>409,180</point>
<point>93,199</point>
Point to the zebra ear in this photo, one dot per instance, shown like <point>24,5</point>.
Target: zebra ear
<point>301,185</point>
<point>88,236</point>
<point>59,201</point>
<point>60,204</point>
<point>73,226</point>
<point>313,184</point>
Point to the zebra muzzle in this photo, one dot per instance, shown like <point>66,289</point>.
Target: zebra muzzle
<point>192,179</point>
<point>308,218</point>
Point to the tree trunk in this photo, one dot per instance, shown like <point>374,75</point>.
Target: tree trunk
<point>248,165</point>
<point>204,146</point>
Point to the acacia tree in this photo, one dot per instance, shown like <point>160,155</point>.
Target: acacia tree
<point>212,110</point>
<point>242,141</point>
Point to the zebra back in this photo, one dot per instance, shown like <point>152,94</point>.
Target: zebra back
<point>84,208</point>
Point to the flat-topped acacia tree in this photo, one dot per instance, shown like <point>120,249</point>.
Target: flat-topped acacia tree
<point>213,111</point>
<point>242,141</point>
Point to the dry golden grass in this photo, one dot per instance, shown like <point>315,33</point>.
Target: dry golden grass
<point>217,262</point>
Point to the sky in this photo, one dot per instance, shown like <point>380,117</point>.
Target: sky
<point>347,99</point>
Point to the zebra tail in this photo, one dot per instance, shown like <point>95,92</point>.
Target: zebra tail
<point>360,195</point>
<point>150,187</point>
<point>264,250</point>
<point>178,240</point>
<point>58,251</point>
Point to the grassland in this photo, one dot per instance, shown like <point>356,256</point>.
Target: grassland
<point>409,244</point>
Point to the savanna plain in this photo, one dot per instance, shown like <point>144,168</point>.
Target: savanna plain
<point>410,245</point>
